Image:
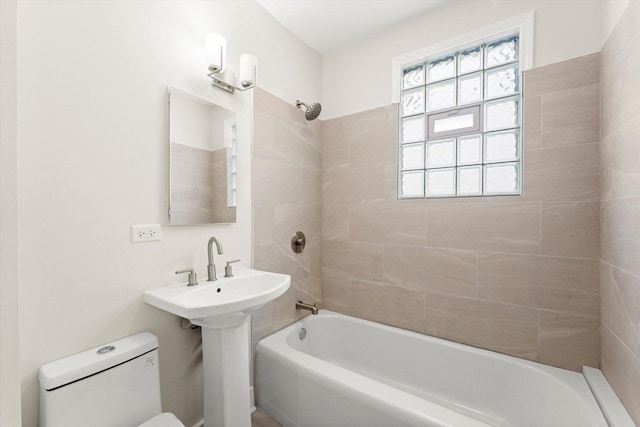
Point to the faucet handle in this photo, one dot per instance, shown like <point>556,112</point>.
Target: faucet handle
<point>193,277</point>
<point>228,272</point>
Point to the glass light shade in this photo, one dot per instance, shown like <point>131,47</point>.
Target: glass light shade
<point>216,50</point>
<point>248,70</point>
<point>228,77</point>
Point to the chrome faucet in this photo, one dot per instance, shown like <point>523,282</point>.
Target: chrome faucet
<point>211,268</point>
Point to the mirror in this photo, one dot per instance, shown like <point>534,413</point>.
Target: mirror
<point>202,161</point>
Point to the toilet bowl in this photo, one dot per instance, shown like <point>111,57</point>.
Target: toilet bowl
<point>114,385</point>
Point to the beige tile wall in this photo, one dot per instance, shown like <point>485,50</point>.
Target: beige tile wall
<point>199,186</point>
<point>518,275</point>
<point>620,209</point>
<point>287,171</point>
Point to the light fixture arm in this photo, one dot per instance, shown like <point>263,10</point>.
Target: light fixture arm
<point>221,84</point>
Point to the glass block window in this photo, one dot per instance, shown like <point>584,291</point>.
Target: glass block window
<point>460,122</point>
<point>231,143</point>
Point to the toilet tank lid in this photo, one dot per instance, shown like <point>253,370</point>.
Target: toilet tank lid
<point>73,368</point>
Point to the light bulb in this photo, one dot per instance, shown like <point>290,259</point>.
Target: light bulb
<point>248,70</point>
<point>216,50</point>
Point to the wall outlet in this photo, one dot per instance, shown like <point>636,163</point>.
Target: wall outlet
<point>145,233</point>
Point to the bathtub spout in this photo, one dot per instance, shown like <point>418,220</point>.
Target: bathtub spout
<point>304,306</point>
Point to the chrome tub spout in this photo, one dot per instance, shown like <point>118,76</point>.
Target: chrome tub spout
<point>304,306</point>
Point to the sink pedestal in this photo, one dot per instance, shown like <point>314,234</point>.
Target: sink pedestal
<point>225,359</point>
<point>220,308</point>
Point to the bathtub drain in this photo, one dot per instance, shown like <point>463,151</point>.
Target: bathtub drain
<point>303,333</point>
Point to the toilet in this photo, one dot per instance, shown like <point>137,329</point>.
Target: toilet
<point>115,385</point>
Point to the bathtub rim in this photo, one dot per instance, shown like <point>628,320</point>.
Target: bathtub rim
<point>599,388</point>
<point>610,405</point>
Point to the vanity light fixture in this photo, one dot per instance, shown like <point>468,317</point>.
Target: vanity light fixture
<point>221,77</point>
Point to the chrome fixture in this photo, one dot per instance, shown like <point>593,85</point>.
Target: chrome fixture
<point>228,271</point>
<point>304,306</point>
<point>302,333</point>
<point>298,242</point>
<point>221,77</point>
<point>311,112</point>
<point>193,277</point>
<point>211,268</point>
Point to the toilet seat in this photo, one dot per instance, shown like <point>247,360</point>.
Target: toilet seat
<point>166,419</point>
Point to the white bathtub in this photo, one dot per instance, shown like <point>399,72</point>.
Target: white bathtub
<point>352,372</point>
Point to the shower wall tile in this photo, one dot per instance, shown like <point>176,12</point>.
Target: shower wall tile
<point>352,260</point>
<point>371,152</point>
<point>403,308</point>
<point>315,254</point>
<point>336,128</point>
<point>578,72</point>
<point>625,309</point>
<point>274,180</point>
<point>622,369</point>
<point>335,222</point>
<point>620,209</point>
<point>281,259</point>
<point>488,267</point>
<point>267,103</point>
<point>501,227</point>
<point>287,197</point>
<point>565,173</point>
<point>532,123</point>
<point>504,328</point>
<point>282,181</point>
<point>378,123</point>
<point>445,271</point>
<point>263,224</point>
<point>292,217</point>
<point>571,229</point>
<point>391,185</point>
<point>335,153</point>
<point>373,138</point>
<point>353,186</point>
<point>263,141</point>
<point>399,224</point>
<point>335,294</point>
<point>571,116</point>
<point>568,341</point>
<point>606,273</point>
<point>620,153</point>
<point>295,143</point>
<point>566,285</point>
<point>620,241</point>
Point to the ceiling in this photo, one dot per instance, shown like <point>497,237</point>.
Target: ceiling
<point>328,25</point>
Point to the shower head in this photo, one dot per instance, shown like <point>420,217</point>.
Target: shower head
<point>311,112</point>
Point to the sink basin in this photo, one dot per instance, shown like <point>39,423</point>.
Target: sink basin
<point>246,290</point>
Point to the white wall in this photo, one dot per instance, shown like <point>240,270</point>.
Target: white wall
<point>358,78</point>
<point>196,123</point>
<point>611,14</point>
<point>92,126</point>
<point>9,350</point>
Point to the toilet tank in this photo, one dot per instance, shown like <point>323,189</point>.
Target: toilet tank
<point>115,385</point>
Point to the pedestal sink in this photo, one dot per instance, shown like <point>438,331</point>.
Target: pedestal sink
<point>220,308</point>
